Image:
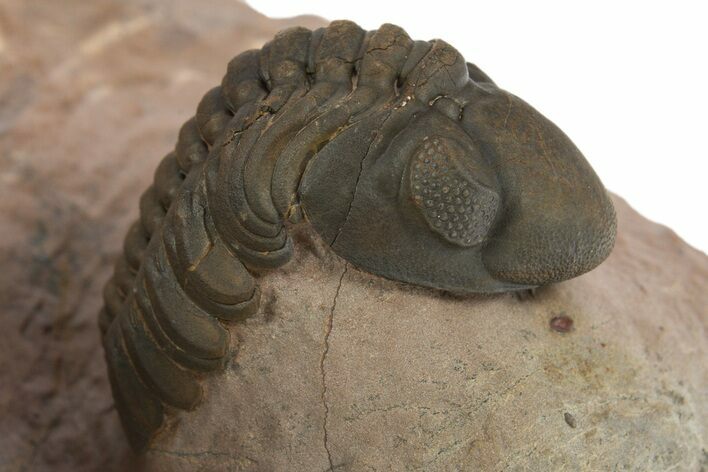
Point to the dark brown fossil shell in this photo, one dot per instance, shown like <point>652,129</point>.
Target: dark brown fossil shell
<point>409,162</point>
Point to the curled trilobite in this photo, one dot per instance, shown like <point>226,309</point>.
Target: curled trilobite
<point>409,162</point>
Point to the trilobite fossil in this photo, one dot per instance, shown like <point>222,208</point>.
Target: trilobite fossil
<point>409,162</point>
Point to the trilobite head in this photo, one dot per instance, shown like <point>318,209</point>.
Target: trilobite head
<point>556,219</point>
<point>475,192</point>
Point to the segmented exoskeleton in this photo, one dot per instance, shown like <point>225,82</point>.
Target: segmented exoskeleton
<point>408,161</point>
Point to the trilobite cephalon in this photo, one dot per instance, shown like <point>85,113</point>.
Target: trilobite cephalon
<point>409,162</point>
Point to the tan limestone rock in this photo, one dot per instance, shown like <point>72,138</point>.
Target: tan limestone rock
<point>345,370</point>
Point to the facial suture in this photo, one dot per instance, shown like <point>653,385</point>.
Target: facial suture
<point>409,162</point>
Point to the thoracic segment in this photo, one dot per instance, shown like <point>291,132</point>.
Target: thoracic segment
<point>218,203</point>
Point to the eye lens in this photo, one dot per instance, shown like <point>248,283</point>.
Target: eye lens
<point>452,202</point>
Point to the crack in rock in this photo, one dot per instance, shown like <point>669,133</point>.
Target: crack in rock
<point>325,350</point>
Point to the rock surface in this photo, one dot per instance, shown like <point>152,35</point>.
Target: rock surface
<point>605,372</point>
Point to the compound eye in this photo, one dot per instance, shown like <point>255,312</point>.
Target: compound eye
<point>453,203</point>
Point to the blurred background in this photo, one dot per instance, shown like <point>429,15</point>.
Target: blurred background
<point>627,81</point>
